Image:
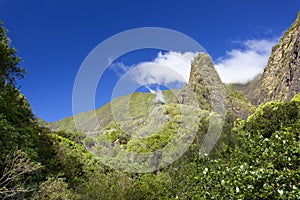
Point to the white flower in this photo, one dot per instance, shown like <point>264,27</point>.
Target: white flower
<point>261,170</point>
<point>250,187</point>
<point>280,192</point>
<point>237,189</point>
<point>205,170</point>
<point>294,187</point>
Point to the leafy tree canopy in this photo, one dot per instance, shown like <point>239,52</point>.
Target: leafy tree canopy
<point>9,60</point>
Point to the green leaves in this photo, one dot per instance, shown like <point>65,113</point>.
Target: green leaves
<point>259,158</point>
<point>258,167</point>
<point>9,60</point>
<point>18,129</point>
<point>273,116</point>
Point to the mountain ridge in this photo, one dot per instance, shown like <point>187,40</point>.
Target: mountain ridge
<point>281,76</point>
<point>279,81</point>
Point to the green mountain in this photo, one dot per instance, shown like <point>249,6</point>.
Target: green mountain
<point>137,123</point>
<point>279,81</point>
<point>138,102</point>
<point>205,141</point>
<point>195,93</point>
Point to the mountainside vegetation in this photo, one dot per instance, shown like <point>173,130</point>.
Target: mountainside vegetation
<point>257,155</point>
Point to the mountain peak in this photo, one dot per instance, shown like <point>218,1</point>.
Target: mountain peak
<point>281,77</point>
<point>205,88</point>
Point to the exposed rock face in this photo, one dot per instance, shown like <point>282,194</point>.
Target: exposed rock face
<point>205,87</point>
<point>281,77</point>
<point>196,92</point>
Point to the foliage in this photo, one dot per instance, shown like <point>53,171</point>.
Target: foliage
<point>53,189</point>
<point>149,186</point>
<point>138,102</point>
<point>256,158</point>
<point>154,142</point>
<point>9,70</point>
<point>252,161</point>
<point>272,116</point>
<point>17,124</point>
<point>296,98</point>
<point>257,168</point>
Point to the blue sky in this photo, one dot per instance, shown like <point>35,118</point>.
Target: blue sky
<point>54,37</point>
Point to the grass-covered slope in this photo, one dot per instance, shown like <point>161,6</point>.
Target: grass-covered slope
<point>139,103</point>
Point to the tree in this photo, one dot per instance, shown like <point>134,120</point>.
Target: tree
<point>9,60</point>
<point>17,126</point>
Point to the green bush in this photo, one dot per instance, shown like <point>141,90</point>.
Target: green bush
<point>272,116</point>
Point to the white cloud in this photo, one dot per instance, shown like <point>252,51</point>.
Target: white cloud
<point>242,65</point>
<point>165,69</point>
<point>237,66</point>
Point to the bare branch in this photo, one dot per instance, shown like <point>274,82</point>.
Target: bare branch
<point>13,180</point>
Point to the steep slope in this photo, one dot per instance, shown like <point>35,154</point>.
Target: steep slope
<point>281,77</point>
<point>205,81</point>
<point>196,92</point>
